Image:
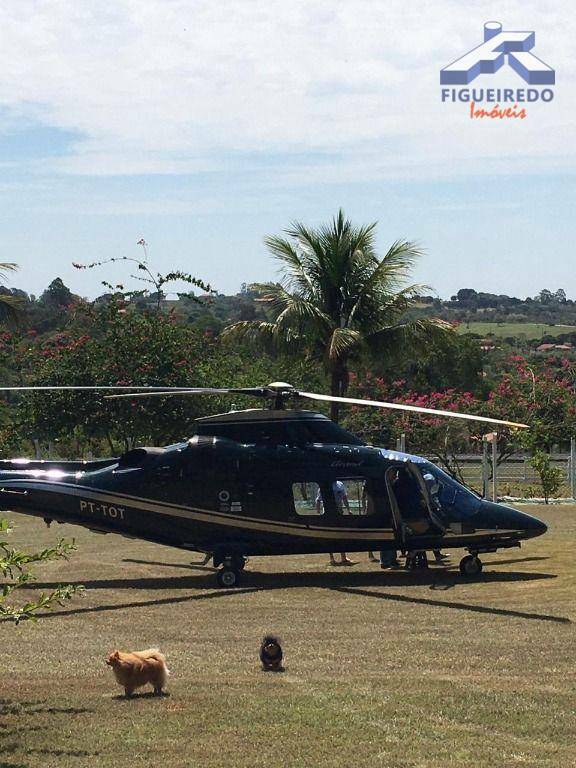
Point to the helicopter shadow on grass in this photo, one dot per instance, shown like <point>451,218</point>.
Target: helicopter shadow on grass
<point>261,580</point>
<point>354,583</point>
<point>456,605</point>
<point>351,583</point>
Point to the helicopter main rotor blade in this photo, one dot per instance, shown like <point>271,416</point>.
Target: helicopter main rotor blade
<point>93,388</point>
<point>267,392</point>
<point>174,391</point>
<point>412,408</point>
<point>144,391</point>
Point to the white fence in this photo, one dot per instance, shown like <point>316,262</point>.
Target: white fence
<point>514,476</point>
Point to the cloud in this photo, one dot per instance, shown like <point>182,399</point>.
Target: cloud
<point>173,87</point>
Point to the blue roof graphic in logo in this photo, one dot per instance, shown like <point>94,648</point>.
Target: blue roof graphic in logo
<point>488,57</point>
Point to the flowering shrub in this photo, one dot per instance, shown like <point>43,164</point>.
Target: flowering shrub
<point>542,397</point>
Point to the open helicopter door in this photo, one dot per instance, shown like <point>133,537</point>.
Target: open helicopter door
<point>412,507</point>
<point>430,507</point>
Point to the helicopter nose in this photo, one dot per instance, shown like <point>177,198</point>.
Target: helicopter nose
<point>532,525</point>
<point>501,516</point>
<point>529,525</point>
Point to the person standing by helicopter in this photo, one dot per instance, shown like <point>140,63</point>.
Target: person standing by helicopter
<point>342,503</point>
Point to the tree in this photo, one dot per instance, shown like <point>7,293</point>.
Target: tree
<point>131,349</point>
<point>57,295</point>
<point>465,294</point>
<point>338,300</point>
<point>436,436</point>
<point>455,361</point>
<point>122,348</point>
<point>15,568</point>
<point>539,395</point>
<point>545,296</point>
<point>560,296</point>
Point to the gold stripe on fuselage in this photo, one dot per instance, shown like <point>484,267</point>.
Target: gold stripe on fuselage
<point>214,517</point>
<point>211,516</point>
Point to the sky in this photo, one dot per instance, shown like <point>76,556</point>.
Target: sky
<point>203,126</point>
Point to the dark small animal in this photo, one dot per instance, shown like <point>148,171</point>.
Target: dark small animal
<point>271,654</point>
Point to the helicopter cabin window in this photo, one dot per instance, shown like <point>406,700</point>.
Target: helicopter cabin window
<point>345,497</point>
<point>353,497</point>
<point>308,499</point>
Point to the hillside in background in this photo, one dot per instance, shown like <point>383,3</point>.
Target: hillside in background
<point>549,318</point>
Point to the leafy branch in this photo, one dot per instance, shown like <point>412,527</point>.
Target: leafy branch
<point>15,569</point>
<point>156,281</point>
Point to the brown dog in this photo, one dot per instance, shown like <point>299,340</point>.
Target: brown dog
<point>133,670</point>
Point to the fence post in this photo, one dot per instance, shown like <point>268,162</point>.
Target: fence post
<point>573,466</point>
<point>401,443</point>
<point>37,448</point>
<point>494,461</point>
<point>485,466</point>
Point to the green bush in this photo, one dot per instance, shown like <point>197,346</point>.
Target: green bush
<point>550,477</point>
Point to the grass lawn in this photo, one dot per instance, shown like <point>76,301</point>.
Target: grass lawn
<point>382,668</point>
<point>503,330</point>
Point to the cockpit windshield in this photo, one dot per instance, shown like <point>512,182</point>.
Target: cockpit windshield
<point>446,493</point>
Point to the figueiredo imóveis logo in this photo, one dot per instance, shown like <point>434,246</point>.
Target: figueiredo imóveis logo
<point>499,49</point>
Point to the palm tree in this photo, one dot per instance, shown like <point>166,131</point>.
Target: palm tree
<point>337,298</point>
<point>10,306</point>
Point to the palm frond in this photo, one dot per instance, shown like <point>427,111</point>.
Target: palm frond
<point>299,313</point>
<point>286,306</point>
<point>384,277</point>
<point>249,330</point>
<point>262,334</point>
<point>416,334</point>
<point>342,342</point>
<point>11,308</point>
<point>296,263</point>
<point>394,304</point>
<point>311,246</point>
<point>6,267</point>
<point>396,264</point>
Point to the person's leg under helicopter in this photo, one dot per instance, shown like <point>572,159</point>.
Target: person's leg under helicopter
<point>344,559</point>
<point>389,558</point>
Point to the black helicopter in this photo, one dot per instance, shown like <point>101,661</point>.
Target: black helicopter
<point>271,481</point>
